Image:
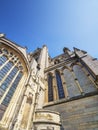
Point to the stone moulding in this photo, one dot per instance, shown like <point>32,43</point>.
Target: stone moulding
<point>47,118</point>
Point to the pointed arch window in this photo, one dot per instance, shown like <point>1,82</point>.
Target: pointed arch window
<point>10,75</point>
<point>86,84</point>
<point>50,87</point>
<point>59,85</point>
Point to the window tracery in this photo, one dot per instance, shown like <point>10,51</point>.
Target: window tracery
<point>71,84</point>
<point>11,72</point>
<point>8,55</point>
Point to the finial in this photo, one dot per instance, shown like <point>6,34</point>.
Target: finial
<point>76,49</point>
<point>2,35</point>
<point>65,49</point>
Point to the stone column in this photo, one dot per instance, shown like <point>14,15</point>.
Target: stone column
<point>25,122</point>
<point>46,62</point>
<point>29,125</point>
<point>42,61</point>
<point>43,57</point>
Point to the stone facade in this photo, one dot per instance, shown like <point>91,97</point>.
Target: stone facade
<point>38,92</point>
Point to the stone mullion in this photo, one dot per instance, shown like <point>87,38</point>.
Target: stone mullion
<point>77,82</point>
<point>6,62</point>
<point>11,108</point>
<point>9,87</point>
<point>89,77</point>
<point>55,89</point>
<point>64,84</point>
<point>7,74</point>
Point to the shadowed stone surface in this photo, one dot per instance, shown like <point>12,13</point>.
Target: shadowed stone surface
<point>79,114</point>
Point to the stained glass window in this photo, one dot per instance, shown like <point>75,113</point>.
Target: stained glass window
<point>3,59</point>
<point>50,87</point>
<point>5,69</point>
<point>9,78</point>
<point>12,90</point>
<point>59,85</point>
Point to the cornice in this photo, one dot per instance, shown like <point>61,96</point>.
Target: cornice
<point>66,61</point>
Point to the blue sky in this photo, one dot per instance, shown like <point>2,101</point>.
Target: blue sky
<point>56,23</point>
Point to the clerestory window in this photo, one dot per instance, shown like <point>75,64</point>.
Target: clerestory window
<point>59,85</point>
<point>50,87</point>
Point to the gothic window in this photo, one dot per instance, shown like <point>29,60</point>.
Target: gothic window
<point>10,76</point>
<point>12,90</point>
<point>50,87</point>
<point>59,85</point>
<point>71,85</point>
<point>86,84</point>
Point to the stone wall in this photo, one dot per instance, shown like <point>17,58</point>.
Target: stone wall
<point>81,114</point>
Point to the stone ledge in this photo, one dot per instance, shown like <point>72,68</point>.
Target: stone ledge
<point>71,99</point>
<point>43,110</point>
<point>46,122</point>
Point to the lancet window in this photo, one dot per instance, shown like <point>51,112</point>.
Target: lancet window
<point>50,87</point>
<point>59,85</point>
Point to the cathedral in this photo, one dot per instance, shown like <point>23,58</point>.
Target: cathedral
<point>38,92</point>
